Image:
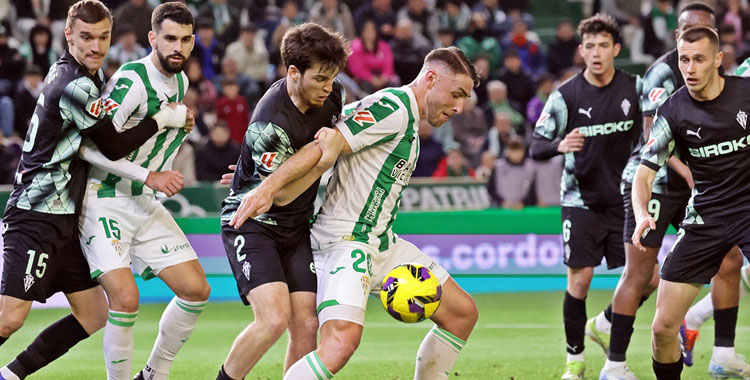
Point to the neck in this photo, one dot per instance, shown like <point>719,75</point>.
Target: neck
<point>600,80</point>
<point>81,63</point>
<point>155,61</point>
<point>295,96</point>
<point>712,89</point>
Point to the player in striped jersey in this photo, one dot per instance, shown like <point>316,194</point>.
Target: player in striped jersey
<point>123,223</point>
<point>353,243</point>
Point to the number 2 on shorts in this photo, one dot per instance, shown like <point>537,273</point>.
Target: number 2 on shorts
<point>239,242</point>
<point>361,257</point>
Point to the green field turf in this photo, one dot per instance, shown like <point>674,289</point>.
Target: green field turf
<point>518,336</point>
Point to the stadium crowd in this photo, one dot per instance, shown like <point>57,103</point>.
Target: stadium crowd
<point>236,58</point>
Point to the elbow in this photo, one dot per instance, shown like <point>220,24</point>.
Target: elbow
<point>114,154</point>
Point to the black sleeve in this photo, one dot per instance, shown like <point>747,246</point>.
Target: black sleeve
<point>116,145</point>
<point>542,148</point>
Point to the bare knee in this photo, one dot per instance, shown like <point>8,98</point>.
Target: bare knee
<point>303,325</point>
<point>338,349</point>
<point>273,323</point>
<point>664,329</point>
<point>199,292</point>
<point>125,301</point>
<point>9,324</point>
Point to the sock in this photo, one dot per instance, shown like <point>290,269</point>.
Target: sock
<point>609,364</point>
<point>310,367</point>
<point>7,374</point>
<point>699,313</point>
<point>223,374</point>
<point>437,354</point>
<point>575,357</point>
<point>118,344</point>
<point>668,371</point>
<point>607,313</point>
<point>50,344</point>
<point>721,354</point>
<point>176,324</point>
<point>603,322</point>
<point>574,318</point>
<point>622,330</point>
<point>725,324</point>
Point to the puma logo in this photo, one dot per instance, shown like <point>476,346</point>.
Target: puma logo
<point>121,86</point>
<point>694,133</point>
<point>585,112</point>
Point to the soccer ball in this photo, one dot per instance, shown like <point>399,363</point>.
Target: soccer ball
<point>410,293</point>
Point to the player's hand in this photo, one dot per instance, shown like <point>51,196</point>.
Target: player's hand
<point>253,204</point>
<point>643,226</point>
<point>189,121</point>
<point>331,142</point>
<point>168,182</point>
<point>226,179</point>
<point>173,115</point>
<point>573,142</point>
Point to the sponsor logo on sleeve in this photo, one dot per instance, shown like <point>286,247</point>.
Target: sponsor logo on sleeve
<point>655,94</point>
<point>267,159</point>
<point>95,108</point>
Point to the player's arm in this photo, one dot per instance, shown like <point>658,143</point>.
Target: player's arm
<point>549,137</point>
<point>658,149</point>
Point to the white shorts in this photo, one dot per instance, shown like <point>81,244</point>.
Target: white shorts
<point>115,231</point>
<point>349,271</point>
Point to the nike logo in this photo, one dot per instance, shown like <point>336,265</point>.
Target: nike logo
<point>118,361</point>
<point>121,86</point>
<point>694,133</point>
<point>585,112</point>
<point>337,270</point>
<point>88,242</point>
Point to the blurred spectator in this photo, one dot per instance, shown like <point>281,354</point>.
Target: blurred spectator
<point>430,151</point>
<point>487,164</point>
<point>225,18</point>
<point>25,98</point>
<point>229,71</point>
<point>7,115</point>
<point>520,86</point>
<point>453,165</point>
<point>482,65</point>
<point>379,11</point>
<point>487,47</point>
<point>334,15</point>
<point>498,102</point>
<point>213,157</point>
<point>515,14</point>
<point>455,16</point>
<point>729,60</point>
<point>138,15</point>
<point>446,38</point>
<point>290,16</point>
<point>561,51</point>
<point>544,87</point>
<point>233,109</point>
<point>547,181</point>
<point>371,62</point>
<point>738,18</point>
<point>208,50</point>
<point>470,130</point>
<point>623,11</point>
<point>499,134</point>
<point>658,27</point>
<point>526,45</point>
<point>184,162</point>
<point>110,68</point>
<point>11,63</point>
<point>491,15</point>
<point>51,14</point>
<point>205,88</point>
<point>511,181</point>
<point>727,36</point>
<point>126,49</point>
<point>38,50</point>
<point>191,101</point>
<point>10,154</point>
<point>422,17</point>
<point>250,54</point>
<point>409,50</point>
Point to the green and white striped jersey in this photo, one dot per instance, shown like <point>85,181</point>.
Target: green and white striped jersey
<point>742,70</point>
<point>365,191</point>
<point>138,91</point>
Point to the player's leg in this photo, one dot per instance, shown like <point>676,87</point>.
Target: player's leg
<point>672,302</point>
<point>339,340</point>
<point>725,298</point>
<point>122,293</point>
<point>13,313</point>
<point>454,321</point>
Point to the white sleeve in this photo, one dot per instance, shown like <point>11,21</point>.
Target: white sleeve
<point>373,120</point>
<point>121,167</point>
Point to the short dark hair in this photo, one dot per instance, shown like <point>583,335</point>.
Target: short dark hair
<point>307,44</point>
<point>600,23</point>
<point>698,32</point>
<point>175,11</point>
<point>456,61</point>
<point>698,6</point>
<point>88,11</point>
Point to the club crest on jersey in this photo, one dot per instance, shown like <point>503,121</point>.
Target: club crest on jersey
<point>116,245</point>
<point>28,282</point>
<point>246,270</point>
<point>742,119</point>
<point>363,118</point>
<point>655,94</point>
<point>625,106</point>
<point>267,159</point>
<point>366,284</point>
<point>95,109</point>
<point>109,106</point>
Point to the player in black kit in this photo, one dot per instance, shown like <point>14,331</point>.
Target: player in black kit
<point>704,123</point>
<point>595,120</point>
<point>270,254</point>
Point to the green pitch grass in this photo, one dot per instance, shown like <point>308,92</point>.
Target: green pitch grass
<point>519,336</point>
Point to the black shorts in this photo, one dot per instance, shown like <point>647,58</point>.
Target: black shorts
<point>259,253</point>
<point>42,256</point>
<point>699,249</point>
<point>590,235</point>
<point>665,209</point>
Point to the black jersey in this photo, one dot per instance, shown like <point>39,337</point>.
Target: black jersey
<point>51,177</point>
<point>277,130</point>
<point>610,117</point>
<point>713,139</point>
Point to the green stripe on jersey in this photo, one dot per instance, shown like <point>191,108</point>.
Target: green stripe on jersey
<point>384,182</point>
<point>122,87</point>
<point>136,188</point>
<point>376,112</point>
<point>153,99</point>
<point>180,87</point>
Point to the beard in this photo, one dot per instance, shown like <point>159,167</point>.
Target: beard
<point>172,68</point>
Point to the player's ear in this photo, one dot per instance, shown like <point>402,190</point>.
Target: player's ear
<point>617,49</point>
<point>294,73</point>
<point>719,58</point>
<point>69,36</point>
<point>152,39</point>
